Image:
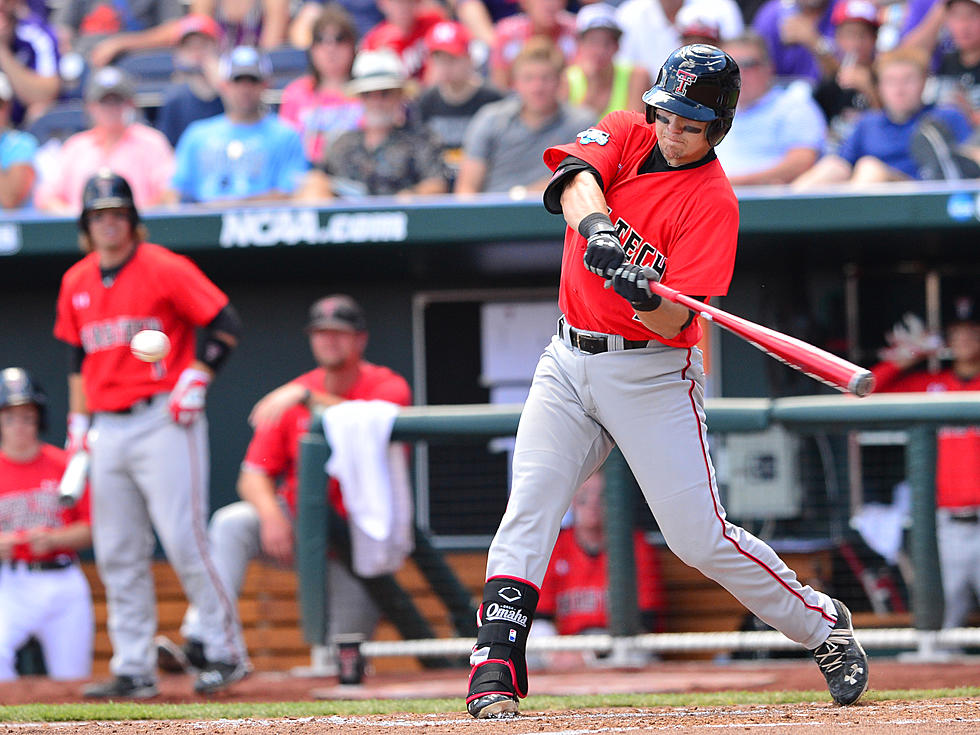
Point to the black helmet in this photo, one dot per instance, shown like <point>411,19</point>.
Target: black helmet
<point>17,388</point>
<point>107,190</point>
<point>699,82</point>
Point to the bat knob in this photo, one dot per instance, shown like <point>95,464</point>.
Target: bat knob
<point>862,383</point>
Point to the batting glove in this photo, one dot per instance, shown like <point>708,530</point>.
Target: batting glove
<point>604,254</point>
<point>630,281</point>
<point>77,436</point>
<point>187,398</point>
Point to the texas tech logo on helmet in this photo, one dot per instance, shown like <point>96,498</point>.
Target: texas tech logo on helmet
<point>684,79</point>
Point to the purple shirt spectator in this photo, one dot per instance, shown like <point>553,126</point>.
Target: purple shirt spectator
<point>34,45</point>
<point>795,60</point>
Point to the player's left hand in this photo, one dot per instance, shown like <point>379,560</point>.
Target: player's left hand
<point>604,254</point>
<point>630,281</point>
<point>187,398</point>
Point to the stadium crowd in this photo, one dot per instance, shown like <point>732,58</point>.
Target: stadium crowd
<point>232,100</point>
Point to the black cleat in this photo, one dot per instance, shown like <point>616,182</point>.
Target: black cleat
<point>491,706</point>
<point>185,659</point>
<point>122,687</point>
<point>219,675</point>
<point>842,661</point>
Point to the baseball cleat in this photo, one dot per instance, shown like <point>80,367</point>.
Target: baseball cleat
<point>185,659</point>
<point>842,661</point>
<point>219,675</point>
<point>492,706</point>
<point>122,687</point>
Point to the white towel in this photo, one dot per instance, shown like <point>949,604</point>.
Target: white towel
<point>374,483</point>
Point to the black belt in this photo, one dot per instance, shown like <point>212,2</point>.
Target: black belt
<point>46,566</point>
<point>596,343</point>
<point>134,407</point>
<point>965,517</point>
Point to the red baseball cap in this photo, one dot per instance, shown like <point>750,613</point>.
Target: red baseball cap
<point>198,23</point>
<point>449,36</point>
<point>862,10</point>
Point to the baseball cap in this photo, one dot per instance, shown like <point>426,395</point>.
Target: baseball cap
<point>107,81</point>
<point>245,61</point>
<point>376,70</point>
<point>449,36</point>
<point>962,308</point>
<point>198,23</point>
<point>862,10</point>
<point>337,312</point>
<point>597,15</point>
<point>698,19</point>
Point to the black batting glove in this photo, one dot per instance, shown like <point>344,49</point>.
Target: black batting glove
<point>604,254</point>
<point>630,281</point>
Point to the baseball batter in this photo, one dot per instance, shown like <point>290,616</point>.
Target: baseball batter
<point>43,592</point>
<point>644,197</point>
<point>148,437</point>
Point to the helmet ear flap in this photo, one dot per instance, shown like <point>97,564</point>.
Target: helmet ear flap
<point>717,130</point>
<point>651,115</point>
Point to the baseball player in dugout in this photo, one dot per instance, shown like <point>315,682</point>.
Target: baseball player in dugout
<point>43,592</point>
<point>645,199</point>
<point>957,448</point>
<point>261,524</point>
<point>145,427</point>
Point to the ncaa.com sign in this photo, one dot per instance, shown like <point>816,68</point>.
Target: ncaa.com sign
<point>264,228</point>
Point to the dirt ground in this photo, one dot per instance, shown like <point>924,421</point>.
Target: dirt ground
<point>953,716</point>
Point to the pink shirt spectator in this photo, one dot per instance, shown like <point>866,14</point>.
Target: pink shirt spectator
<point>512,32</point>
<point>319,117</point>
<point>142,156</point>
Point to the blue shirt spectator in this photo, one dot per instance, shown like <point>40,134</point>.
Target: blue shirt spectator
<point>790,57</point>
<point>889,141</point>
<point>218,159</point>
<point>17,152</point>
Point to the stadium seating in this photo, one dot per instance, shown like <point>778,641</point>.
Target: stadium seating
<point>61,121</point>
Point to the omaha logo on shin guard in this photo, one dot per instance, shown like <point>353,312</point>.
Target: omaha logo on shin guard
<point>505,612</point>
<point>511,594</point>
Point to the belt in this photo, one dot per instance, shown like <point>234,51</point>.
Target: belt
<point>45,566</point>
<point>134,407</point>
<point>971,516</point>
<point>594,343</point>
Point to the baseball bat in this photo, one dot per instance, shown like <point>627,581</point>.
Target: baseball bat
<point>811,360</point>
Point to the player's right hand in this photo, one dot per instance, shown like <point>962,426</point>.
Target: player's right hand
<point>77,436</point>
<point>604,254</point>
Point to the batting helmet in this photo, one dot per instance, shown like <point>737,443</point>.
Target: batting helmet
<point>18,388</point>
<point>107,190</point>
<point>699,82</point>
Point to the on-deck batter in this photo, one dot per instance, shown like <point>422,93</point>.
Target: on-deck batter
<point>149,438</point>
<point>43,591</point>
<point>643,198</point>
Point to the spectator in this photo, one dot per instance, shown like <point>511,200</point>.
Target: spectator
<point>958,75</point>
<point>385,156</point>
<point>880,147</point>
<point>245,154</point>
<point>457,92</point>
<point>505,140</point>
<point>958,447</point>
<point>778,132</point>
<point>193,94</point>
<point>799,36</point>
<point>134,150</point>
<point>43,591</point>
<point>29,58</point>
<point>596,81</point>
<point>17,151</point>
<point>364,13</point>
<point>547,18</point>
<point>649,34</point>
<point>149,467</point>
<point>259,23</point>
<point>479,17</point>
<point>317,105</point>
<point>93,26</point>
<point>403,31</point>
<point>848,93</point>
<point>575,591</point>
<point>719,20</point>
<point>261,524</point>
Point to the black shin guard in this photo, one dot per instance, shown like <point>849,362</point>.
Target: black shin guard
<point>499,664</point>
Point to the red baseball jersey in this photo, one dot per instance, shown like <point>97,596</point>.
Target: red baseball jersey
<point>683,224</point>
<point>576,586</point>
<point>29,499</point>
<point>411,46</point>
<point>957,447</point>
<point>274,451</point>
<point>155,289</point>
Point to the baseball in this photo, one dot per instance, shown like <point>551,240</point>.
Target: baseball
<point>150,345</point>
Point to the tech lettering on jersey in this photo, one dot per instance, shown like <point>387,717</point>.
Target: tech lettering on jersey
<point>638,250</point>
<point>109,333</point>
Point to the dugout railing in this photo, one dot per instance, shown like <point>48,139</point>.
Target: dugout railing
<point>917,415</point>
